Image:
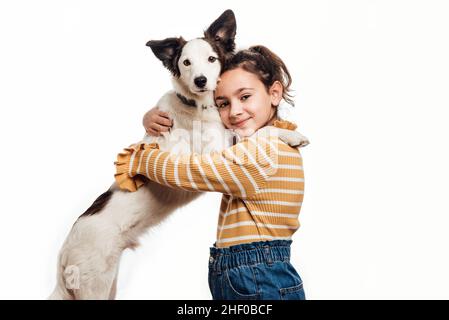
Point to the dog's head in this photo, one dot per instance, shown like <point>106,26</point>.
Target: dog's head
<point>197,63</point>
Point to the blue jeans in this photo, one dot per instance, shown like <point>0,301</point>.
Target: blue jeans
<point>254,271</point>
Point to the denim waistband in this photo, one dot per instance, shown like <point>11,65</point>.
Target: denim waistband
<point>249,254</point>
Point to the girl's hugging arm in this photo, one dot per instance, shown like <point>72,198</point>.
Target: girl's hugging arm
<point>239,170</point>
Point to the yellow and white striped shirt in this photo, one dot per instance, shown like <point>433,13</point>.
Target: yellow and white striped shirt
<point>262,181</point>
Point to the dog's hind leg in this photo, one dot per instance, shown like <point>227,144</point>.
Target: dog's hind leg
<point>97,283</point>
<point>90,272</point>
<point>113,292</point>
<point>89,259</point>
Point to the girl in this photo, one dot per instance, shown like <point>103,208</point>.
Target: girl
<point>261,178</point>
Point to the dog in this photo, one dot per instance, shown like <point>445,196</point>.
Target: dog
<point>88,261</point>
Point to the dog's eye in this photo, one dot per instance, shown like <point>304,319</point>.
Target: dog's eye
<point>212,59</point>
<point>186,62</point>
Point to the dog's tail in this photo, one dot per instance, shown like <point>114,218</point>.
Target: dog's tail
<point>62,290</point>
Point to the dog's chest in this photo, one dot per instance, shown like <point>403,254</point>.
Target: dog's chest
<point>195,129</point>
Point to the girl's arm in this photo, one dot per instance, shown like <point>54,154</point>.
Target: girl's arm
<point>156,121</point>
<point>239,170</point>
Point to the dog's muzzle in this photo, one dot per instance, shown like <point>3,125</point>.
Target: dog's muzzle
<point>200,82</point>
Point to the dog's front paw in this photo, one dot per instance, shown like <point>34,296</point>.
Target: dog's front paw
<point>293,138</point>
<point>298,141</point>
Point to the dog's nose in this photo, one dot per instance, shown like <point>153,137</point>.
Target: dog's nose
<point>201,81</point>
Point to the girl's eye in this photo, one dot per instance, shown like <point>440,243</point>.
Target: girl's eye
<point>212,59</point>
<point>245,97</point>
<point>222,105</point>
<point>186,62</point>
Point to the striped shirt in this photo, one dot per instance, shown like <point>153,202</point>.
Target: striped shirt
<point>262,181</point>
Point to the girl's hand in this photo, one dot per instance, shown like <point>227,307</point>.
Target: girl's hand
<point>155,122</point>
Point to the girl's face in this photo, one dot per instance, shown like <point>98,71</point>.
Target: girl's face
<point>244,103</point>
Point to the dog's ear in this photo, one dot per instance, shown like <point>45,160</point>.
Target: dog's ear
<point>222,31</point>
<point>168,51</point>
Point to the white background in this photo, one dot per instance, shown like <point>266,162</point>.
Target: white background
<point>371,81</point>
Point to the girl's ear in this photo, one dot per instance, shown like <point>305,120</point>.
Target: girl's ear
<point>276,91</point>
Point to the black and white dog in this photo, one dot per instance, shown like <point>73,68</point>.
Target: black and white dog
<point>88,262</point>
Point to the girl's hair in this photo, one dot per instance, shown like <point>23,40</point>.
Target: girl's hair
<point>268,67</point>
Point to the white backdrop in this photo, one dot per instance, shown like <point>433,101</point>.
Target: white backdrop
<point>371,81</point>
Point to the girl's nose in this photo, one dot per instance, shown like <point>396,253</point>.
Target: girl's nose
<point>236,110</point>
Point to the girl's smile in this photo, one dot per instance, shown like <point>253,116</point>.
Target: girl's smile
<point>240,123</point>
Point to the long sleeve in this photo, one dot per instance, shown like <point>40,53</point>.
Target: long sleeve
<point>240,170</point>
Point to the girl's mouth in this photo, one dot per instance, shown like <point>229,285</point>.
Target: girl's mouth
<point>241,123</point>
